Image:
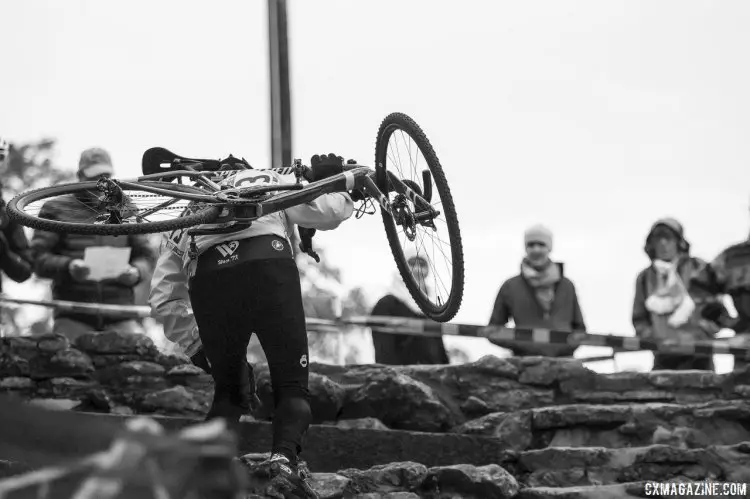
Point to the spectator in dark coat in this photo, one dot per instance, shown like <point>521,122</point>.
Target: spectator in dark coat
<point>663,309</point>
<point>399,349</point>
<point>59,256</point>
<point>540,296</point>
<point>728,273</point>
<point>15,256</point>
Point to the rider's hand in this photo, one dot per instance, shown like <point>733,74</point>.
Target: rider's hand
<point>79,271</point>
<point>130,277</point>
<point>325,166</point>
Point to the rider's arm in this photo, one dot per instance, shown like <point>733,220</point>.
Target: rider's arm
<point>323,213</point>
<point>170,302</point>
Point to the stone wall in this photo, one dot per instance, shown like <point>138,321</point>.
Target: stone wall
<point>530,403</point>
<point>109,372</point>
<point>564,431</point>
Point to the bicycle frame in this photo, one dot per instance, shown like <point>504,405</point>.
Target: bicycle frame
<point>354,177</point>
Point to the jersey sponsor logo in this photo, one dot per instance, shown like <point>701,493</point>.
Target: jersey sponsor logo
<point>227,248</point>
<point>303,361</point>
<point>277,245</point>
<point>227,252</point>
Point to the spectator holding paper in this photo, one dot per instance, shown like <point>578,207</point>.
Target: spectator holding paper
<point>88,268</point>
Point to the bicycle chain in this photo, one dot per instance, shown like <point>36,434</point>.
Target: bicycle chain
<point>168,207</point>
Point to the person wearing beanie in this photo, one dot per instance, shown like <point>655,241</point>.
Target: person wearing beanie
<point>663,307</point>
<point>401,349</point>
<point>60,257</point>
<point>728,274</point>
<point>540,296</point>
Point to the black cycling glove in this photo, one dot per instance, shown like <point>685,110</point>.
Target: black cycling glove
<point>325,166</point>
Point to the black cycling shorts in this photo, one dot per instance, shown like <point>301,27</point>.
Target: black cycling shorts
<point>245,287</point>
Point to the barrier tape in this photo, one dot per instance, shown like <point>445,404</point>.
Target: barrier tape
<point>508,335</point>
<point>130,311</point>
<point>420,327</point>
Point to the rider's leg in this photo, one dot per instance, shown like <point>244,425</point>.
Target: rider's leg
<point>280,326</point>
<point>221,303</point>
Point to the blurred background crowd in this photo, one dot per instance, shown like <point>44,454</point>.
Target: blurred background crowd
<point>678,296</point>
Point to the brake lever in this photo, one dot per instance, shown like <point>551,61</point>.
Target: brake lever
<point>302,172</point>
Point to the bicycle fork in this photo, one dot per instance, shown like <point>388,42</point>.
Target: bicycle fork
<point>399,209</point>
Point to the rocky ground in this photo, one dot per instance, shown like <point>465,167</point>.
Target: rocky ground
<point>520,427</point>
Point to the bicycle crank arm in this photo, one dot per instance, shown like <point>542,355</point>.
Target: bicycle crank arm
<point>426,216</point>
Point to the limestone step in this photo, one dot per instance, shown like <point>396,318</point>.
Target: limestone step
<point>587,466</point>
<point>718,422</point>
<point>331,448</point>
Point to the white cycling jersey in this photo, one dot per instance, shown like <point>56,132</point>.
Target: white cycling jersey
<point>169,298</point>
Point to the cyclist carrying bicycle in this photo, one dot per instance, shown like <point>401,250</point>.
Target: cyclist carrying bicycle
<point>247,282</point>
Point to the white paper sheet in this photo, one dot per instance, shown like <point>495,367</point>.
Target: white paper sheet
<point>106,262</point>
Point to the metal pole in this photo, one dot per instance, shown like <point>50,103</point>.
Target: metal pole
<point>281,115</point>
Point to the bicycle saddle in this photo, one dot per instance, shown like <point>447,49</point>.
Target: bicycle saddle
<point>161,160</point>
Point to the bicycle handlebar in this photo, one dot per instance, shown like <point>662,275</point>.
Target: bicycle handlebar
<point>306,171</point>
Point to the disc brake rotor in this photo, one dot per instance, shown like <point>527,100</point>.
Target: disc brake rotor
<point>404,217</point>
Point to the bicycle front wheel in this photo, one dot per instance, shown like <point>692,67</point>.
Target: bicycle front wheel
<point>79,208</point>
<point>432,272</point>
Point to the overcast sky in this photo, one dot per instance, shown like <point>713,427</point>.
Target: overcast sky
<point>592,117</point>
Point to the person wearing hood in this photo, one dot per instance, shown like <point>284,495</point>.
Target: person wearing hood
<point>540,296</point>
<point>663,308</point>
<point>401,349</point>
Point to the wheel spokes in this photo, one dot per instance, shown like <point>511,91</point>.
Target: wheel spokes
<point>135,206</point>
<point>426,236</point>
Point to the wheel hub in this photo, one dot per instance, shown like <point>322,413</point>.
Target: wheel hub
<point>404,217</point>
<point>114,201</point>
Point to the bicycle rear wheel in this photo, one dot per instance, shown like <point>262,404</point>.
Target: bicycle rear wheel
<point>77,208</point>
<point>438,290</point>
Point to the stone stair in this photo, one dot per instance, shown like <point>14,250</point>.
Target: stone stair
<point>520,427</point>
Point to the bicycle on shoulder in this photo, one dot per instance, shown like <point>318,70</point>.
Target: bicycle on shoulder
<point>220,196</point>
